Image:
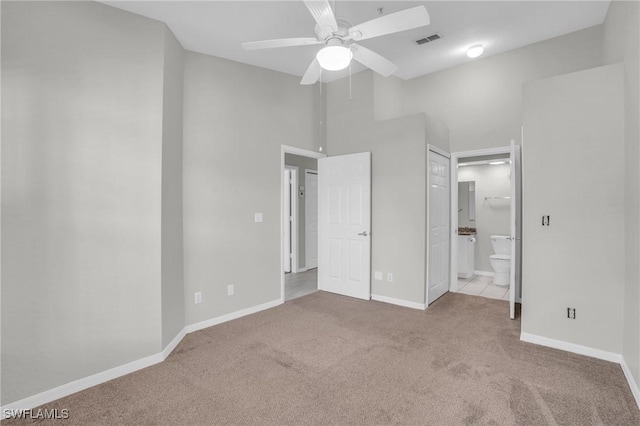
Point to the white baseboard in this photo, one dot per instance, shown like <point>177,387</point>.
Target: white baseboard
<point>571,347</point>
<point>233,315</point>
<point>80,384</point>
<point>635,390</point>
<point>485,273</point>
<point>585,350</point>
<point>172,344</point>
<point>113,373</point>
<point>398,302</point>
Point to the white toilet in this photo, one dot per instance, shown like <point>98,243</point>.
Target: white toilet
<point>501,260</point>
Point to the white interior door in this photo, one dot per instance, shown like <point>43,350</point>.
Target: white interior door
<point>438,188</point>
<point>286,219</point>
<point>344,225</point>
<point>516,228</point>
<point>311,219</point>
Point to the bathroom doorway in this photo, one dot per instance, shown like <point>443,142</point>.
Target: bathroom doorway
<point>485,218</point>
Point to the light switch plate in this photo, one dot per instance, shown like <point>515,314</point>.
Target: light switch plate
<point>258,217</point>
<point>377,275</point>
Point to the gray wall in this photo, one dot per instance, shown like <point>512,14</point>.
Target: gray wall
<point>481,102</point>
<point>236,117</point>
<point>398,150</point>
<point>302,163</point>
<point>574,145</point>
<point>621,44</point>
<point>81,192</point>
<point>492,216</point>
<point>172,247</point>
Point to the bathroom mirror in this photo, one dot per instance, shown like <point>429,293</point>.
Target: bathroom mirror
<point>467,204</point>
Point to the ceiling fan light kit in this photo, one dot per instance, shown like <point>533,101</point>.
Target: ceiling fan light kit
<point>334,58</point>
<point>338,36</point>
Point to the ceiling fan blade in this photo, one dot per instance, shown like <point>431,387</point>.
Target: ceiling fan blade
<point>280,42</point>
<point>324,16</point>
<point>372,60</point>
<point>312,74</point>
<point>389,24</point>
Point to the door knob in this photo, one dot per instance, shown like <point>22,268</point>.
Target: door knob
<point>364,234</point>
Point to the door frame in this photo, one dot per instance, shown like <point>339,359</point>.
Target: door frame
<point>430,149</point>
<point>293,194</point>
<point>286,149</point>
<point>306,218</point>
<point>455,156</point>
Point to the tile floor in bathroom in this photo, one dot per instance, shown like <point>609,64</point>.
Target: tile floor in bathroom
<point>482,285</point>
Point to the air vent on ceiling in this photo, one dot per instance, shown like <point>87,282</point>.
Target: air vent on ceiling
<point>430,38</point>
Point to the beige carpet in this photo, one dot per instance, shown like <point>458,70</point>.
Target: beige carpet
<point>327,359</point>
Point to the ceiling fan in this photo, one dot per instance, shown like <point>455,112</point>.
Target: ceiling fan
<point>339,38</point>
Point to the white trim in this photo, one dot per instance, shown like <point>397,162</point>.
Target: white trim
<point>81,384</point>
<point>302,152</point>
<point>587,351</point>
<point>482,152</point>
<point>399,302</point>
<point>635,390</point>
<point>453,220</point>
<point>306,218</point>
<point>172,344</point>
<point>286,149</point>
<point>122,370</point>
<point>231,316</point>
<point>438,150</point>
<point>484,273</point>
<point>571,347</point>
<point>294,216</point>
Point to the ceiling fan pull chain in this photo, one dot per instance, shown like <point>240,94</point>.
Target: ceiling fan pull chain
<point>350,98</point>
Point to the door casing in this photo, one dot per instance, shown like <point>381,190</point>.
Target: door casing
<point>455,156</point>
<point>286,149</point>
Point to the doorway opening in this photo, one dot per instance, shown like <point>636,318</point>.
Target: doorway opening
<point>486,224</point>
<point>299,219</point>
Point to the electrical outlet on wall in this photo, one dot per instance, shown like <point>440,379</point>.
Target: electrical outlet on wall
<point>571,313</point>
<point>390,277</point>
<point>198,297</point>
<point>230,290</point>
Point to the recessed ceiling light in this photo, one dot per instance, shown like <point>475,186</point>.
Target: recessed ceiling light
<point>493,163</point>
<point>475,51</point>
<point>462,164</point>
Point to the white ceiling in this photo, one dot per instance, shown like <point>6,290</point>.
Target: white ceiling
<point>218,27</point>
